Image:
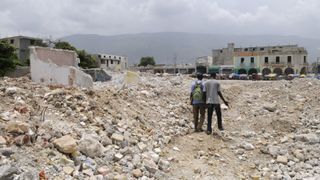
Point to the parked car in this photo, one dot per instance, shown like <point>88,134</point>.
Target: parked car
<point>289,77</point>
<point>271,76</point>
<point>281,77</point>
<point>302,76</point>
<point>243,77</point>
<point>234,76</point>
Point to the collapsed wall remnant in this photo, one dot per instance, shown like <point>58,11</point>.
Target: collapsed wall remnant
<point>56,66</point>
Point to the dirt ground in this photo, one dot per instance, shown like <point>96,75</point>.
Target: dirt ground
<point>216,156</point>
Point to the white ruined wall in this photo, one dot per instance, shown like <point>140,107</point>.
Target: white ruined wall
<point>47,72</point>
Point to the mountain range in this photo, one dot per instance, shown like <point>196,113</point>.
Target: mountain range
<point>167,47</point>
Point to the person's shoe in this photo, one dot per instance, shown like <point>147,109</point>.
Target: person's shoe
<point>221,129</point>
<point>208,132</point>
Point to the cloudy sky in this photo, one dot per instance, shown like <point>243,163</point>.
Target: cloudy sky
<point>59,18</point>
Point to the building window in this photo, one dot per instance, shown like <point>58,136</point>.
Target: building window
<point>118,62</point>
<point>246,49</point>
<point>114,57</point>
<point>253,49</point>
<point>111,61</point>
<point>261,49</point>
<point>242,60</point>
<point>32,42</point>
<point>305,59</point>
<point>220,51</point>
<point>99,56</point>
<point>109,56</point>
<point>277,60</point>
<point>103,61</point>
<point>266,60</point>
<point>11,41</point>
<point>289,59</point>
<point>120,58</point>
<point>252,59</point>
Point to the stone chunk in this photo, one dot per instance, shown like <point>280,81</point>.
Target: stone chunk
<point>298,154</point>
<point>142,146</point>
<point>90,147</point>
<point>17,127</point>
<point>164,165</point>
<point>117,137</point>
<point>5,116</point>
<point>247,146</point>
<point>270,107</point>
<point>2,141</point>
<point>68,170</point>
<point>103,170</point>
<point>118,157</point>
<point>7,172</point>
<point>88,172</point>
<point>282,159</point>
<point>11,91</point>
<point>150,166</point>
<point>137,173</point>
<point>310,138</point>
<point>66,144</point>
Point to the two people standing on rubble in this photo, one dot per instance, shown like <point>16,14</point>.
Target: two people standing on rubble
<point>211,92</point>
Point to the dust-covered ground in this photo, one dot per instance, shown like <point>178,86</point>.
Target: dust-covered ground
<point>144,130</point>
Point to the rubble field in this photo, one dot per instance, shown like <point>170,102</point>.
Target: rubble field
<point>145,131</point>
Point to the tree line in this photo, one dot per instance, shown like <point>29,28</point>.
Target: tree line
<point>9,59</point>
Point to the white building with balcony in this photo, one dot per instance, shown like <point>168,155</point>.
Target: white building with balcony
<point>113,62</point>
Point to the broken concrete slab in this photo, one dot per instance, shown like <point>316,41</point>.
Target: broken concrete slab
<point>98,74</point>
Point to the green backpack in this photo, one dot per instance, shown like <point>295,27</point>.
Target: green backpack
<point>197,93</point>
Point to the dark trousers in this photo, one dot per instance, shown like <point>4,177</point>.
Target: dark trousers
<point>198,108</point>
<point>217,108</point>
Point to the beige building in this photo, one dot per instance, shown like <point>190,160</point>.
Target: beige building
<point>281,60</point>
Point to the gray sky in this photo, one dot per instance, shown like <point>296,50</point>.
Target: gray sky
<point>58,18</point>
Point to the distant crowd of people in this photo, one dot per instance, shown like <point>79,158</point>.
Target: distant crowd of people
<point>205,96</point>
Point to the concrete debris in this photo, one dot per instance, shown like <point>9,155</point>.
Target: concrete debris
<point>90,147</point>
<point>137,173</point>
<point>144,130</point>
<point>17,127</point>
<point>117,137</point>
<point>57,67</point>
<point>7,172</point>
<point>66,144</point>
<point>98,74</point>
<point>3,141</point>
<point>282,159</point>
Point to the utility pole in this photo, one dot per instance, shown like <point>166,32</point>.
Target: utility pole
<point>317,65</point>
<point>175,63</point>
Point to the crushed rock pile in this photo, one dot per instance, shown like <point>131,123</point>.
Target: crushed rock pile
<point>120,131</point>
<point>109,132</point>
<point>278,128</point>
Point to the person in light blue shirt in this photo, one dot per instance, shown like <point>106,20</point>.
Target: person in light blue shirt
<point>197,99</point>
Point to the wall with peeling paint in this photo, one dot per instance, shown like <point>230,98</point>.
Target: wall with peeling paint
<point>57,67</point>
